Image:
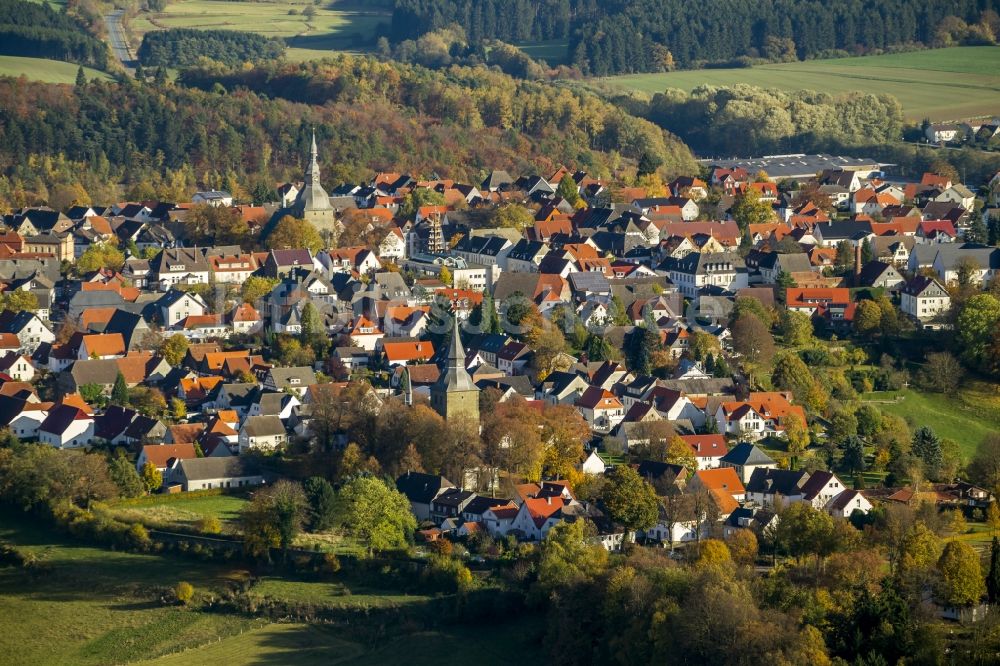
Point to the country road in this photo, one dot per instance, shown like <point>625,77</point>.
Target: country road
<point>119,43</point>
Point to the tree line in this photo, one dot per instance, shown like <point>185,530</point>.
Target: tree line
<point>653,35</point>
<point>37,30</point>
<point>181,47</point>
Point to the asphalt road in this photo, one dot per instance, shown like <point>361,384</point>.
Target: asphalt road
<point>116,35</point>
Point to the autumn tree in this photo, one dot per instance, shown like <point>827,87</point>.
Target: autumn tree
<point>867,318</point>
<point>513,216</point>
<point>796,328</point>
<point>567,559</point>
<point>417,199</point>
<point>257,287</point>
<point>753,341</point>
<point>174,349</point>
<point>961,581</point>
<point>98,256</point>
<point>750,209</point>
<point>215,225</point>
<point>152,478</point>
<point>292,233</point>
<point>631,500</point>
<point>512,438</point>
<point>548,344</point>
<point>680,453</point>
<point>274,517</point>
<point>563,431</point>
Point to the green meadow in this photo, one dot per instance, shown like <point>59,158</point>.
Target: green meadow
<point>336,26</point>
<point>46,71</point>
<point>940,84</point>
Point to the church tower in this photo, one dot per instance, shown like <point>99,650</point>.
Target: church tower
<point>313,203</point>
<point>454,394</point>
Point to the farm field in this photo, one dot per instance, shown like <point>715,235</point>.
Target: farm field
<point>940,84</point>
<point>344,27</point>
<point>46,71</point>
<point>967,416</point>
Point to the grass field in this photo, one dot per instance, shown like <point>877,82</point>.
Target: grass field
<point>337,26</point>
<point>165,511</point>
<point>309,644</point>
<point>967,416</point>
<point>47,71</point>
<point>331,594</point>
<point>552,51</point>
<point>942,84</point>
<point>101,607</point>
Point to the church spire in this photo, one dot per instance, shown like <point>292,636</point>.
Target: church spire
<point>456,352</point>
<point>312,172</point>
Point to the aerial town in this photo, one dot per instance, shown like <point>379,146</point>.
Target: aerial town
<point>456,332</point>
<point>521,353</point>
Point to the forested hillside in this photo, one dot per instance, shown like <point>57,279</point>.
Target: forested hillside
<point>367,114</point>
<point>651,35</point>
<point>181,47</point>
<point>36,30</point>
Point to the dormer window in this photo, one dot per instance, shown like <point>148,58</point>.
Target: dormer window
<point>293,380</point>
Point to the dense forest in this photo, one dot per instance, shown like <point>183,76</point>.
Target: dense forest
<point>652,35</point>
<point>744,120</point>
<point>37,30</point>
<point>181,47</point>
<point>252,129</point>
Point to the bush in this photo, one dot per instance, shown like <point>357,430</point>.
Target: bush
<point>331,564</point>
<point>184,592</point>
<point>209,525</point>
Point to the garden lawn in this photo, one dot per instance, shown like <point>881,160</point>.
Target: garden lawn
<point>966,416</point>
<point>940,84</point>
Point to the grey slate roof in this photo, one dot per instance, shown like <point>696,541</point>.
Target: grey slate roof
<point>746,454</point>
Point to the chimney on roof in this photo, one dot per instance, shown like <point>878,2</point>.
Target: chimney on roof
<point>548,500</point>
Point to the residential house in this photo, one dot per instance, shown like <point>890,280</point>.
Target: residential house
<point>924,299</point>
<point>66,427</point>
<point>697,270</point>
<point>178,265</point>
<point>295,379</point>
<point>601,408</point>
<point>262,433</point>
<point>421,490</point>
<point>744,458</point>
<point>216,472</point>
<point>163,456</point>
<point>177,305</point>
